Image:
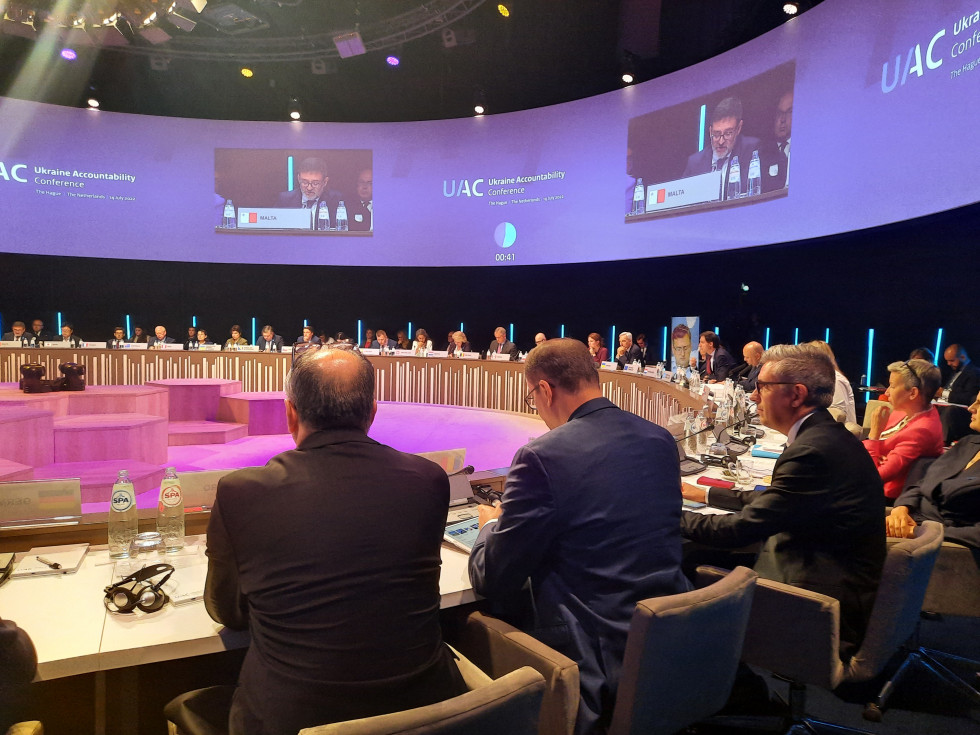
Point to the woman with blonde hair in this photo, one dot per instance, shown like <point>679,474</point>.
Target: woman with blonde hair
<point>843,393</point>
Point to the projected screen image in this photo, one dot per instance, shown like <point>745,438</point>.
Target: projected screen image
<point>322,192</point>
<point>878,99</point>
<point>728,147</point>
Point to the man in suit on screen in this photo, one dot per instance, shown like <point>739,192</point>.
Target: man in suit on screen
<point>312,188</point>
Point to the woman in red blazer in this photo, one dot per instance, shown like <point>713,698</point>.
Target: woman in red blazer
<point>899,437</point>
<point>599,353</point>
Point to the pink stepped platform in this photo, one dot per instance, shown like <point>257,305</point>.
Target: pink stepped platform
<point>183,433</point>
<point>14,471</point>
<point>265,413</point>
<point>196,400</point>
<point>110,436</point>
<point>13,397</point>
<point>152,401</point>
<point>26,435</point>
<point>97,477</point>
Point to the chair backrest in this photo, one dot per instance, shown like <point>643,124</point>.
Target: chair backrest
<point>869,410</point>
<point>901,592</point>
<point>508,705</point>
<point>681,656</point>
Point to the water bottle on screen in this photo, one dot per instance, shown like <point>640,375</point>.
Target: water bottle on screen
<point>228,220</point>
<point>123,519</point>
<point>639,203</point>
<point>755,175</point>
<point>170,512</point>
<point>734,179</point>
<point>341,217</point>
<point>322,217</point>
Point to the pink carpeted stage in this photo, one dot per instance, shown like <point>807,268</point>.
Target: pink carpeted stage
<point>208,425</point>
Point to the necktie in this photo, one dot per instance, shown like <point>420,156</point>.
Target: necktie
<point>500,348</point>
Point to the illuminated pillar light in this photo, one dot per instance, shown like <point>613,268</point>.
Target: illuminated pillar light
<point>511,331</point>
<point>305,323</point>
<point>767,338</point>
<point>194,321</point>
<point>867,375</point>
<point>359,331</point>
<point>563,331</point>
<point>59,323</point>
<point>826,335</point>
<point>411,335</point>
<point>290,178</point>
<point>129,329</point>
<point>939,346</point>
<point>461,328</point>
<point>255,337</point>
<point>717,332</point>
<point>612,340</point>
<point>664,357</point>
<point>704,113</point>
<point>796,335</point>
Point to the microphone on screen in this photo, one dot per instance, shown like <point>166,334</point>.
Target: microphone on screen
<point>467,470</point>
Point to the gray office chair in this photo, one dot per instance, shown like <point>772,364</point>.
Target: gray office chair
<point>498,648</point>
<point>509,705</point>
<point>681,656</point>
<point>794,633</point>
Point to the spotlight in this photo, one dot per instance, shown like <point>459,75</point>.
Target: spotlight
<point>628,68</point>
<point>479,102</point>
<point>479,109</point>
<point>68,54</point>
<point>393,60</point>
<point>247,73</point>
<point>627,78</point>
<point>93,103</point>
<point>504,9</point>
<point>294,111</point>
<point>745,287</point>
<point>791,8</point>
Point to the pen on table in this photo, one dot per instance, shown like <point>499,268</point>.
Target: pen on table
<point>48,562</point>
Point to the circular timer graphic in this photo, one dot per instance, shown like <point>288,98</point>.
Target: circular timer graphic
<point>505,234</point>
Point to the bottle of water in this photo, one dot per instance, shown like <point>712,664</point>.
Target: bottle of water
<point>322,217</point>
<point>341,217</point>
<point>734,179</point>
<point>123,519</point>
<point>228,220</point>
<point>755,175</point>
<point>170,512</point>
<point>639,201</point>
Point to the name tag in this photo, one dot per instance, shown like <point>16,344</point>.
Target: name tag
<point>611,365</point>
<point>500,356</point>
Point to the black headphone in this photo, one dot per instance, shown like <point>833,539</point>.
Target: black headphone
<point>120,598</point>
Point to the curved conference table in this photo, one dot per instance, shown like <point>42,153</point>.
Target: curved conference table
<point>409,379</point>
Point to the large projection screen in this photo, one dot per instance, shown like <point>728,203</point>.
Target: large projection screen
<point>884,97</point>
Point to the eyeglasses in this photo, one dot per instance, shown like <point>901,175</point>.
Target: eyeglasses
<point>912,374</point>
<point>529,398</point>
<point>760,384</point>
<point>312,184</point>
<point>727,135</point>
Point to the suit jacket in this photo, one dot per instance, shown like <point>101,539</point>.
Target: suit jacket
<point>772,178</point>
<point>647,356</point>
<point>275,345</point>
<point>509,348</point>
<point>74,339</point>
<point>747,376</point>
<point>153,340</point>
<point>894,455</point>
<point>723,363</point>
<point>342,607</point>
<point>358,209</point>
<point>389,345</point>
<point>294,199</point>
<point>9,337</point>
<point>967,385</point>
<point>18,665</point>
<point>594,538</point>
<point>821,520</point>
<point>451,350</point>
<point>950,494</point>
<point>630,356</point>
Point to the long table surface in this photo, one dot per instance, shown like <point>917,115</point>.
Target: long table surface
<point>452,382</point>
<point>74,634</point>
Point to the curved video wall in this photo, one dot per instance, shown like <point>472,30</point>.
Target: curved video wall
<point>876,100</point>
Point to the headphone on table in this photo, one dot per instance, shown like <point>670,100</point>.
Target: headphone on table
<point>128,594</point>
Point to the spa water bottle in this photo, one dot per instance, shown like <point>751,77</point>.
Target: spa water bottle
<point>639,205</point>
<point>123,519</point>
<point>755,175</point>
<point>322,217</point>
<point>341,217</point>
<point>170,512</point>
<point>734,180</point>
<point>228,221</point>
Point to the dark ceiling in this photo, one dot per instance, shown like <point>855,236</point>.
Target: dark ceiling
<point>546,52</point>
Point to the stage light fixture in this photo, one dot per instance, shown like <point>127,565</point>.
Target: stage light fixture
<point>479,109</point>
<point>247,73</point>
<point>294,110</point>
<point>68,54</point>
<point>93,103</point>
<point>504,9</point>
<point>791,8</point>
<point>479,102</point>
<point>627,77</point>
<point>393,60</point>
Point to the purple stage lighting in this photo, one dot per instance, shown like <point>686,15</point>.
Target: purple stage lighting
<point>68,54</point>
<point>393,61</point>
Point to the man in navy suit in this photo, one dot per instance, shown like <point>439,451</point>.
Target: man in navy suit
<point>269,341</point>
<point>160,335</point>
<point>502,345</point>
<point>311,189</point>
<point>716,362</point>
<point>594,537</point>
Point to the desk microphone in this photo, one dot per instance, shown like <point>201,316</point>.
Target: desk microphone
<point>467,470</point>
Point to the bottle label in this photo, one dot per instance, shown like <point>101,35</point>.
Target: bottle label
<point>170,496</point>
<point>122,499</point>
